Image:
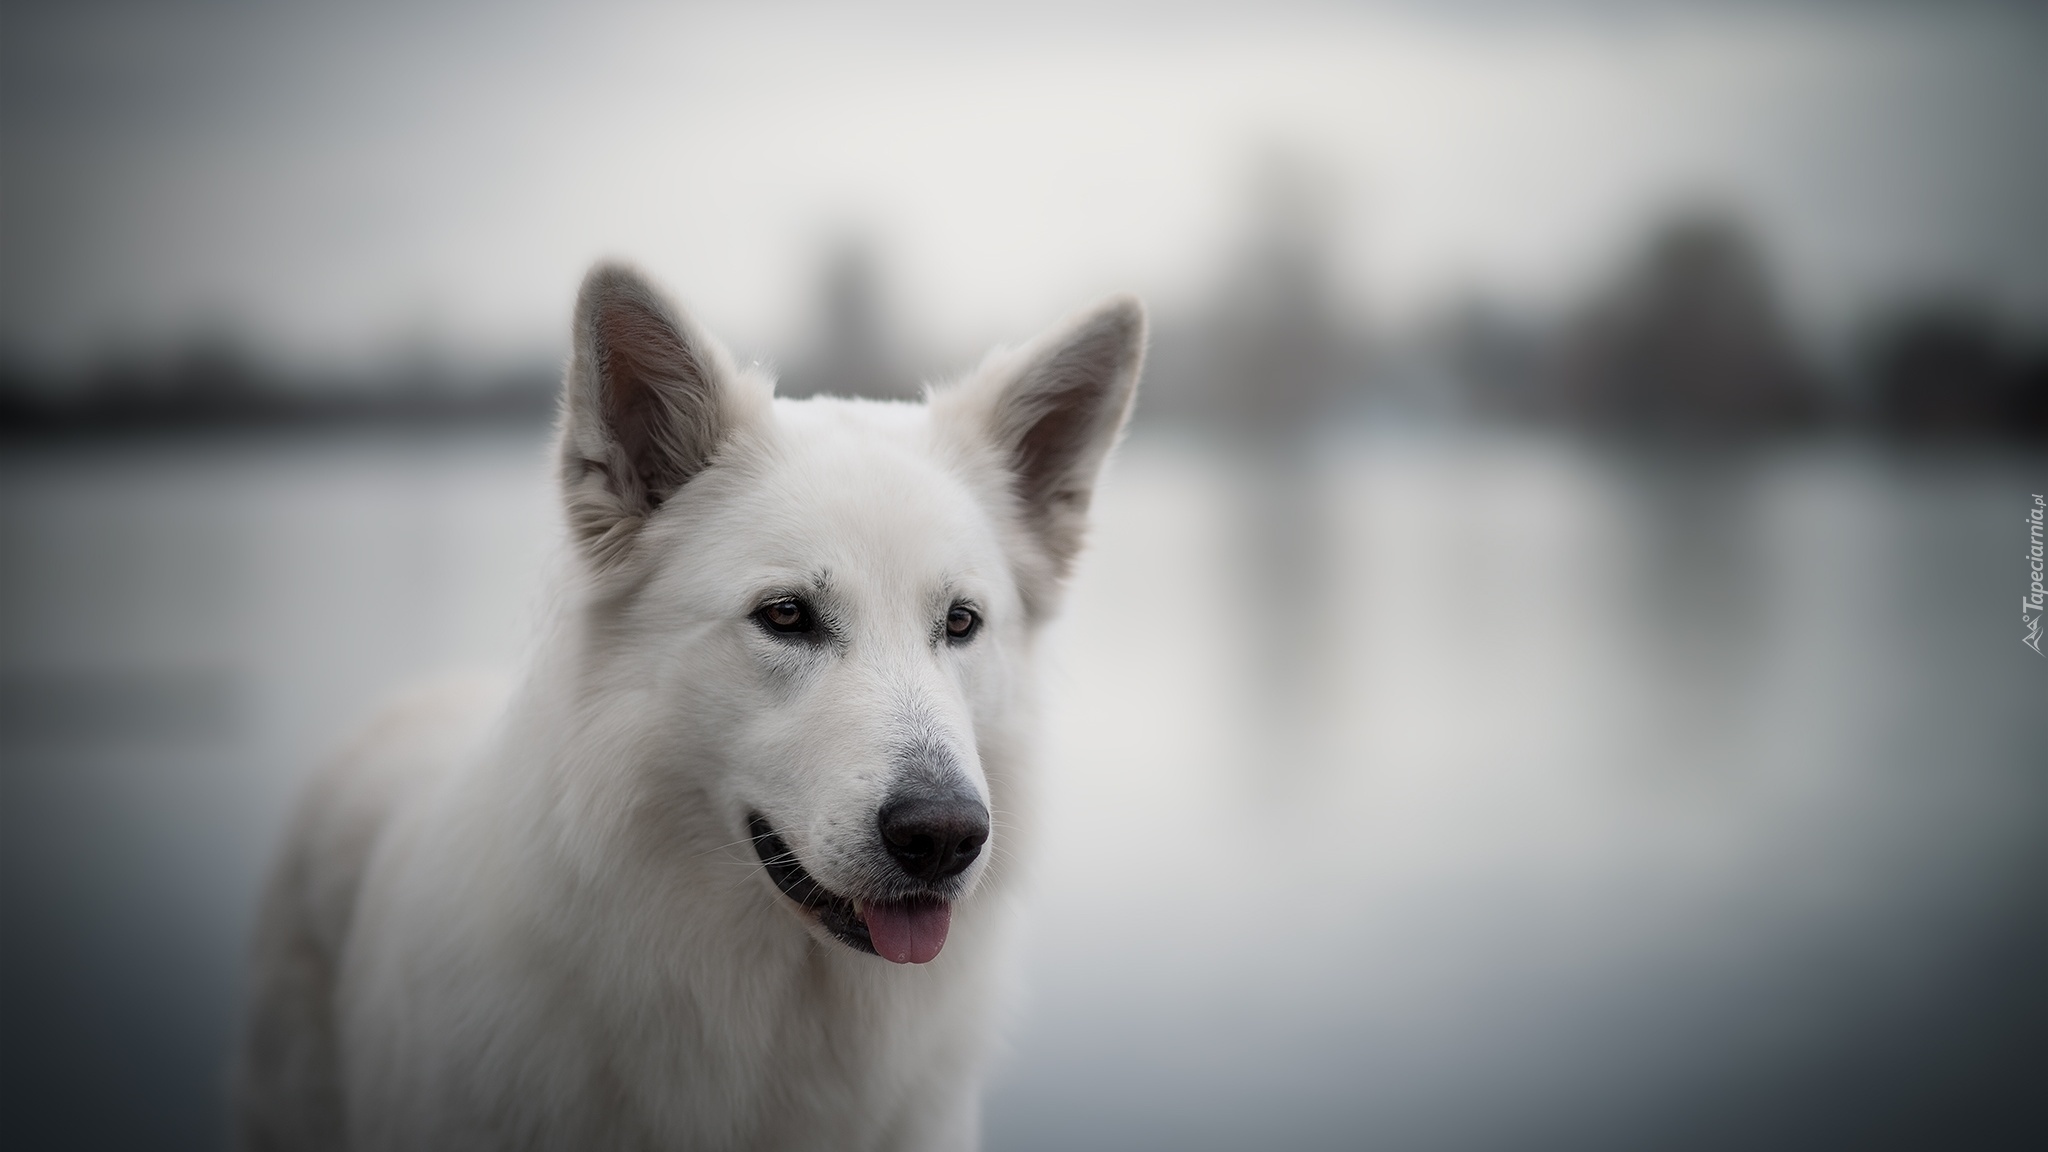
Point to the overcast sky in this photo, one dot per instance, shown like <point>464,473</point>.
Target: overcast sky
<point>331,182</point>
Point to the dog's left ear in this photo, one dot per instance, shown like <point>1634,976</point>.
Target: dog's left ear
<point>1051,411</point>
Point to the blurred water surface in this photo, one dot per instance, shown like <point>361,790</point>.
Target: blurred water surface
<point>1433,790</point>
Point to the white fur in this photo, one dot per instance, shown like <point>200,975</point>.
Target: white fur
<point>533,917</point>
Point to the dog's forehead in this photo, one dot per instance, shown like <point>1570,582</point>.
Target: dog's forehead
<point>860,488</point>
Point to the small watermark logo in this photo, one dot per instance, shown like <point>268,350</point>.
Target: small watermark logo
<point>2036,599</point>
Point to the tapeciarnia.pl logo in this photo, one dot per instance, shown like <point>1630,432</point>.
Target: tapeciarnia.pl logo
<point>2036,599</point>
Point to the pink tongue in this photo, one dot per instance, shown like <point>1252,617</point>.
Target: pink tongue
<point>908,933</point>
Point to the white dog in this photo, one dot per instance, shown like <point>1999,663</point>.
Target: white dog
<point>725,869</point>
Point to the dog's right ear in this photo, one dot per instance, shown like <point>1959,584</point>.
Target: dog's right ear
<point>648,401</point>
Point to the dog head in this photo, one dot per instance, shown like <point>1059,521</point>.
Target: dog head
<point>813,617</point>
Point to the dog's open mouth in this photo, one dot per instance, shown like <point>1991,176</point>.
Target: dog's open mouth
<point>903,931</point>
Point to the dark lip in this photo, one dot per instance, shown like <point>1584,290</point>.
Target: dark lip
<point>833,911</point>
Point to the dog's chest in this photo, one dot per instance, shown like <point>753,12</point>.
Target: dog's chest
<point>809,1055</point>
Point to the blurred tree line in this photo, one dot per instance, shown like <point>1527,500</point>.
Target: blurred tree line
<point>1692,337</point>
<point>1688,337</point>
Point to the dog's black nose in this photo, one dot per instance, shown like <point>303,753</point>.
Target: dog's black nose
<point>934,837</point>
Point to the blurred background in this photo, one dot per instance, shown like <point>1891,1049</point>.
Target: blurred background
<point>1554,622</point>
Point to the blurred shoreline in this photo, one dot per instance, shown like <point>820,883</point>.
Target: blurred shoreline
<point>203,394</point>
<point>1688,337</point>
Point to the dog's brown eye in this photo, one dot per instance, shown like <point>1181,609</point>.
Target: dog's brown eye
<point>961,622</point>
<point>788,615</point>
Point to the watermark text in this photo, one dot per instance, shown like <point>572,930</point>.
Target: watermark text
<point>2036,599</point>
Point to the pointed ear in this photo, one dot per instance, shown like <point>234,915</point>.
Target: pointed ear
<point>648,400</point>
<point>1050,412</point>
